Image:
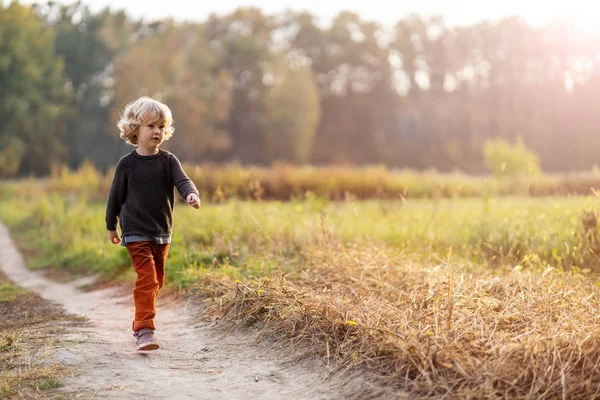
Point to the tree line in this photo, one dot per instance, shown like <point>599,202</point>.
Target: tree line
<point>253,88</point>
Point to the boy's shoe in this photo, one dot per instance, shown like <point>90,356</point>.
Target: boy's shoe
<point>145,340</point>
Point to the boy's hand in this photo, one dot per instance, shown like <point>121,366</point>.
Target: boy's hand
<point>193,200</point>
<point>114,237</point>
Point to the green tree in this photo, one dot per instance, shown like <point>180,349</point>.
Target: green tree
<point>12,149</point>
<point>88,42</point>
<point>176,66</point>
<point>292,112</point>
<point>33,99</point>
<point>359,106</point>
<point>241,42</point>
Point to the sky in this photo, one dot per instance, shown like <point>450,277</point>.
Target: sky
<point>455,12</point>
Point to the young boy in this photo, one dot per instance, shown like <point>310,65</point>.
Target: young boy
<point>142,198</point>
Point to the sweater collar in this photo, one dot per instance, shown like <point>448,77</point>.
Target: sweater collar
<point>135,153</point>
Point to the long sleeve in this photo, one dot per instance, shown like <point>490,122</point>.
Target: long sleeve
<point>184,185</point>
<point>117,195</point>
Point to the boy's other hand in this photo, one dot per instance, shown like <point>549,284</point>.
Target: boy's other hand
<point>193,200</point>
<point>114,237</point>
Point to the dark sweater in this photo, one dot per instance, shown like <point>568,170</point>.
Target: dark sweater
<point>142,194</point>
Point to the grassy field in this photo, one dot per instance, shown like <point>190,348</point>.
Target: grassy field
<point>480,297</point>
<point>286,182</point>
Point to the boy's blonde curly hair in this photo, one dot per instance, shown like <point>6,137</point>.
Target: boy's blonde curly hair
<point>144,109</point>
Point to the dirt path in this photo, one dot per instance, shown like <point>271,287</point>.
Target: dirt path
<point>194,362</point>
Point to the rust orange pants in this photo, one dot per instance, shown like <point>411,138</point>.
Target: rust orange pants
<point>149,263</point>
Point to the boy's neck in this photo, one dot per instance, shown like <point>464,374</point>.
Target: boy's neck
<point>146,152</point>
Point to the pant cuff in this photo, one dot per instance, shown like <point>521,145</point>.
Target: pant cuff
<point>137,325</point>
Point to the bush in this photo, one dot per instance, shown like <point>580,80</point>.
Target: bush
<point>506,160</point>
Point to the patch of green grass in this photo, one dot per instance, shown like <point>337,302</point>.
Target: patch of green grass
<point>244,239</point>
<point>8,292</point>
<point>50,383</point>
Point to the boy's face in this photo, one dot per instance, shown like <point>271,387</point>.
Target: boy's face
<point>151,133</point>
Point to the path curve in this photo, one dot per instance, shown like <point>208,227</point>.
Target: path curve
<point>194,362</point>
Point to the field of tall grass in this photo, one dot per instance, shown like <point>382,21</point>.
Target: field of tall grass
<point>486,296</point>
<point>285,182</point>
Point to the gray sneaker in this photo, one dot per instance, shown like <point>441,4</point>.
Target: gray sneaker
<point>145,340</point>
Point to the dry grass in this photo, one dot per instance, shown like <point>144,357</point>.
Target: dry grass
<point>28,368</point>
<point>286,182</point>
<point>435,332</point>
